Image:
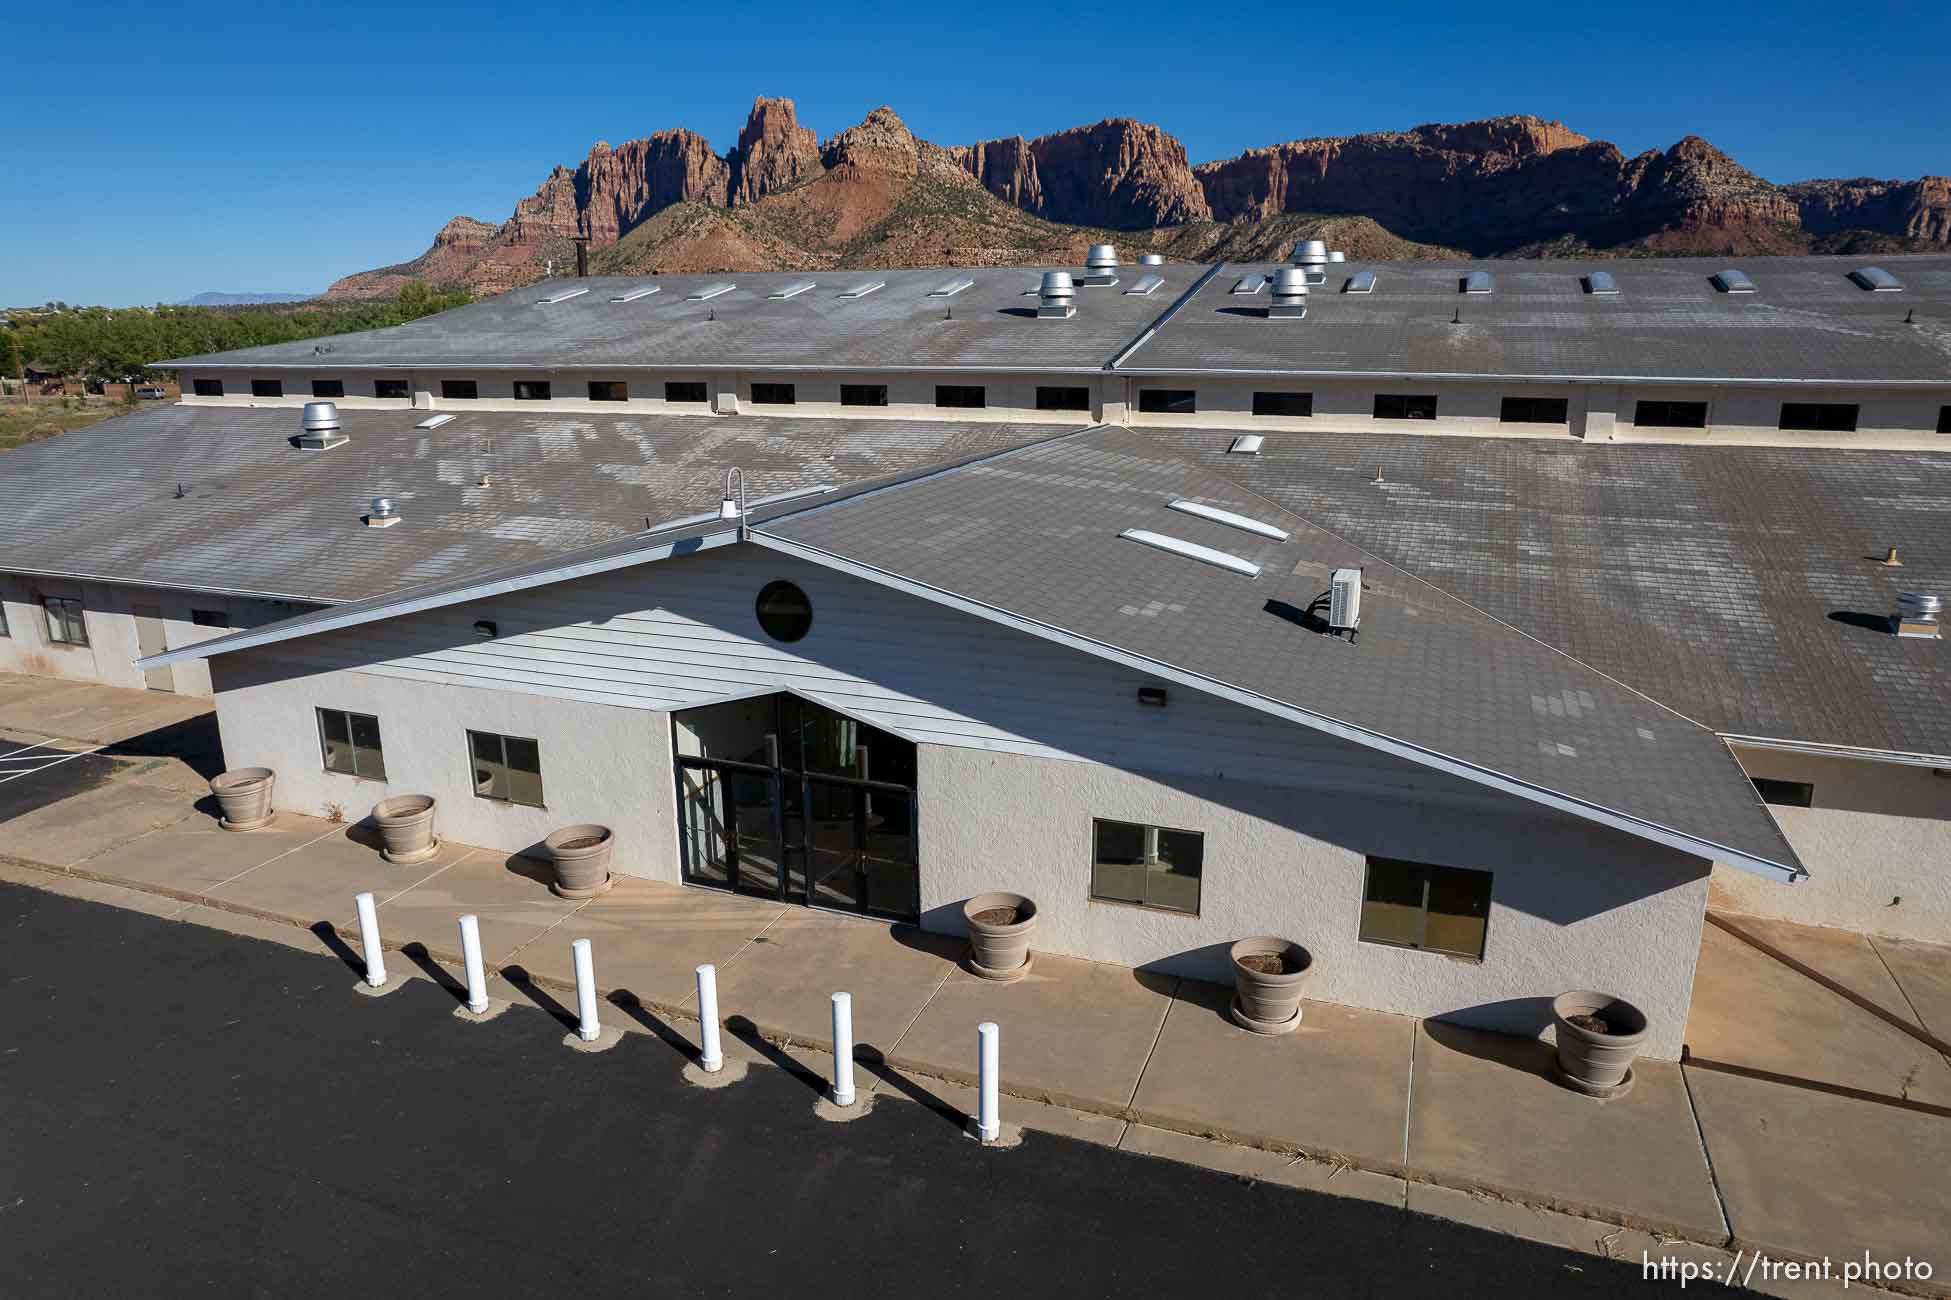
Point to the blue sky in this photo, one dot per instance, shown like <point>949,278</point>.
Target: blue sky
<point>159,153</point>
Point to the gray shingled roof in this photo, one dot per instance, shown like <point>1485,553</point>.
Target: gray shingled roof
<point>261,517</point>
<point>1806,322</point>
<point>990,325</point>
<point>1033,535</point>
<point>1739,585</point>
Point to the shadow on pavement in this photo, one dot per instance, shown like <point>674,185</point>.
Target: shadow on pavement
<point>193,742</point>
<point>327,934</point>
<point>523,983</point>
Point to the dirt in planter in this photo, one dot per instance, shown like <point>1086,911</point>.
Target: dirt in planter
<point>583,842</point>
<point>1594,1023</point>
<point>1272,963</point>
<point>998,916</point>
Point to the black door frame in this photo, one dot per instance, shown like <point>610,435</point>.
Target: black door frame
<point>792,843</point>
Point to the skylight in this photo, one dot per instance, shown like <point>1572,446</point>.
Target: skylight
<point>1230,519</point>
<point>1600,283</point>
<point>1876,280</point>
<point>1361,282</point>
<point>1192,551</point>
<point>710,291</point>
<point>560,295</point>
<point>950,289</point>
<point>1145,284</point>
<point>793,290</point>
<point>1733,281</point>
<point>1477,282</point>
<point>1247,444</point>
<point>433,422</point>
<point>641,291</point>
<point>1249,284</point>
<point>864,288</point>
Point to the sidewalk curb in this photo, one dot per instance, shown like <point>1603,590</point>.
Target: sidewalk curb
<point>1660,1229</point>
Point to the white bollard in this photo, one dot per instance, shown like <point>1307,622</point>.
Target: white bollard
<point>369,940</point>
<point>590,1029</point>
<point>477,980</point>
<point>711,1057</point>
<point>843,1049</point>
<point>989,1123</point>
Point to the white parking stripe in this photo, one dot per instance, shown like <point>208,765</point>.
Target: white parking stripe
<point>15,776</point>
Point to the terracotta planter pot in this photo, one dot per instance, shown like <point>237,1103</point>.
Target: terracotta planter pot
<point>244,795</point>
<point>999,949</point>
<point>1269,1002</point>
<point>1591,1061</point>
<point>406,827</point>
<point>582,859</point>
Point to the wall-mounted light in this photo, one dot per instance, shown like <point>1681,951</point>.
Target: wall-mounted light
<point>485,630</point>
<point>1152,695</point>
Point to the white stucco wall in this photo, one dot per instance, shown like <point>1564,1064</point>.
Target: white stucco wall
<point>599,763</point>
<point>1877,842</point>
<point>1573,905</point>
<point>112,649</point>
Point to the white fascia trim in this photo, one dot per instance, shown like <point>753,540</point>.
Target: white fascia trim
<point>1783,872</point>
<point>277,632</point>
<point>1855,752</point>
<point>155,585</point>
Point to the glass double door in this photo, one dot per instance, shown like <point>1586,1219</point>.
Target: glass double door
<point>848,845</point>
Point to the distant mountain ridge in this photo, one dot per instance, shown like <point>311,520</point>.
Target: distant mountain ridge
<point>215,298</point>
<point>875,195</point>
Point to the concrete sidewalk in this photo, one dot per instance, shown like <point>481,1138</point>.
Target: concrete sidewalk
<point>1806,1125</point>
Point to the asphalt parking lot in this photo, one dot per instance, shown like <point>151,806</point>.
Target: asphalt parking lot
<point>194,1112</point>
<point>36,773</point>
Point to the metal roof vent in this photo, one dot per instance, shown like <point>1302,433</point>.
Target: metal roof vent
<point>1917,614</point>
<point>1601,283</point>
<point>641,291</point>
<point>1477,282</point>
<point>1145,285</point>
<point>793,290</point>
<point>1311,252</point>
<point>1876,280</point>
<point>560,295</point>
<point>1336,255</point>
<point>1100,265</point>
<point>1056,297</point>
<point>320,427</point>
<point>1290,294</point>
<point>1360,282</point>
<point>1247,444</point>
<point>710,291</point>
<point>952,287</point>
<point>862,289</point>
<point>1248,285</point>
<point>1151,259</point>
<point>384,514</point>
<point>1733,281</point>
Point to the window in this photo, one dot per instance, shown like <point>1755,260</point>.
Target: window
<point>684,391</point>
<point>209,618</point>
<point>391,388</point>
<point>350,742</point>
<point>1821,417</point>
<point>1670,415</point>
<point>328,388</point>
<point>207,387</point>
<point>1944,419</point>
<point>267,388</point>
<point>1789,794</point>
<point>1167,401</point>
<point>784,612</point>
<point>1063,399</point>
<point>1416,905</point>
<point>1150,866</point>
<point>459,390</point>
<point>1533,410</point>
<point>1399,406</point>
<point>508,768</point>
<point>960,395</point>
<point>1283,403</point>
<point>772,394</point>
<point>863,394</point>
<point>65,625</point>
<point>608,390</point>
<point>531,390</point>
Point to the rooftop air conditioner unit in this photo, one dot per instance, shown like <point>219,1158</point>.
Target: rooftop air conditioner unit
<point>725,403</point>
<point>1345,600</point>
